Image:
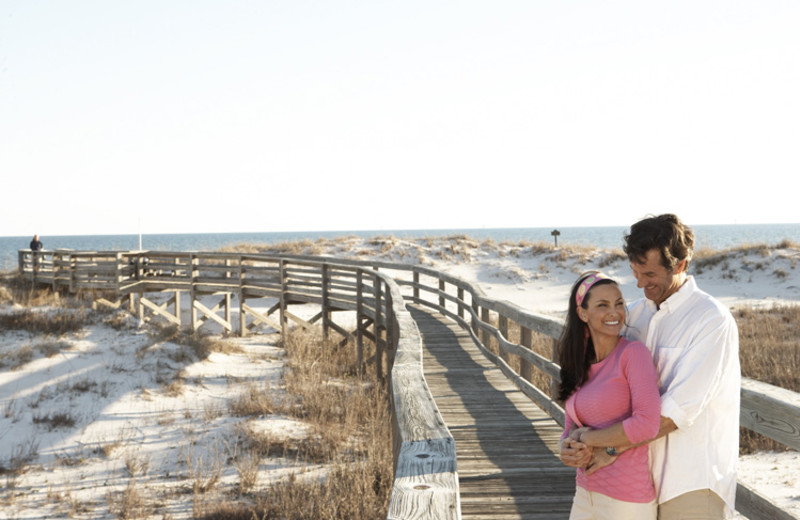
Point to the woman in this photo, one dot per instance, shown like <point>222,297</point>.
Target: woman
<point>609,386</point>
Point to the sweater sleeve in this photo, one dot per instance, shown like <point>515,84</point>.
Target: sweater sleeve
<point>639,370</point>
<point>568,424</point>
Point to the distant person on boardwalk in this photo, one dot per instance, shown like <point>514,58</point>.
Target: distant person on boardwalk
<point>694,341</point>
<point>36,245</point>
<point>610,389</point>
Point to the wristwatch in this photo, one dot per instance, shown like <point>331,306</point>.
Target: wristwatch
<point>612,451</point>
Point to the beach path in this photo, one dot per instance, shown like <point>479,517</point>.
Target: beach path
<point>506,446</point>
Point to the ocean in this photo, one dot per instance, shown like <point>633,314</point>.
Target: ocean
<point>712,236</point>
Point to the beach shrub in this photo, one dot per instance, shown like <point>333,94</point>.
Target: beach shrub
<point>56,322</point>
<point>55,420</point>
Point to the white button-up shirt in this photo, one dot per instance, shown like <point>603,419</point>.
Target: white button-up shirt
<point>695,345</point>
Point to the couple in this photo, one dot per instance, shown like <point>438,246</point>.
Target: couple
<point>651,392</point>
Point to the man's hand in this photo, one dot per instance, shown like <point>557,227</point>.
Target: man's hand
<point>574,454</point>
<point>600,459</point>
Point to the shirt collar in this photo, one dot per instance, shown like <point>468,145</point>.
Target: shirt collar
<point>679,297</point>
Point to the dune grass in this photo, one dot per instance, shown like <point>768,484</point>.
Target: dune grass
<point>348,431</point>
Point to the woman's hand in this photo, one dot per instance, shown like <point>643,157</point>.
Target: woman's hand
<point>575,434</point>
<point>574,454</point>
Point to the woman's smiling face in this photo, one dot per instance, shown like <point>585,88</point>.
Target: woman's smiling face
<point>605,310</point>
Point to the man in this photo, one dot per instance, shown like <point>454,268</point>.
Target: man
<point>695,346</point>
<point>36,245</point>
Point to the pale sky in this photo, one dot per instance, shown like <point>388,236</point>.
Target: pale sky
<point>231,116</point>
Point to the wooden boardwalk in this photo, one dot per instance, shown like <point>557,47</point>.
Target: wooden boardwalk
<point>506,447</point>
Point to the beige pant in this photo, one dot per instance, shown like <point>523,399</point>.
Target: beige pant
<point>703,504</point>
<point>588,505</point>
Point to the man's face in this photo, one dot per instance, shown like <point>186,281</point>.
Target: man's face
<point>658,282</point>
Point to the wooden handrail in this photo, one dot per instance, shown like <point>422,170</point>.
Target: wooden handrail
<point>424,450</point>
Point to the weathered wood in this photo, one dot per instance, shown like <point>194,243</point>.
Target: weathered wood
<point>525,341</point>
<point>771,411</point>
<point>755,506</point>
<point>505,445</point>
<point>211,313</point>
<point>258,318</point>
<point>426,485</point>
<point>159,310</point>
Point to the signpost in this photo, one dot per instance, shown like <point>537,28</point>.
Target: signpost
<point>555,234</point>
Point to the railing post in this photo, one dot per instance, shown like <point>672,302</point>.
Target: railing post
<point>441,290</point>
<point>242,297</point>
<point>390,339</point>
<point>326,317</point>
<point>502,325</point>
<point>461,302</point>
<point>554,357</point>
<point>73,267</point>
<point>526,340</point>
<point>56,269</point>
<point>416,287</point>
<point>178,308</point>
<point>475,327</point>
<point>378,341</point>
<point>359,325</point>
<point>227,298</point>
<point>118,269</point>
<point>485,337</point>
<point>284,289</point>
<point>192,292</point>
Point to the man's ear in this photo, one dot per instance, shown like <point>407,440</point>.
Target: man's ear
<point>682,266</point>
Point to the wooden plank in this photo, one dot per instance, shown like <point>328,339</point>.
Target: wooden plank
<point>159,310</point>
<point>508,467</point>
<point>756,506</point>
<point>210,314</point>
<point>771,411</point>
<point>259,318</point>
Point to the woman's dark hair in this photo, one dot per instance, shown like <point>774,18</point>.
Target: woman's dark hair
<point>575,351</point>
<point>666,233</point>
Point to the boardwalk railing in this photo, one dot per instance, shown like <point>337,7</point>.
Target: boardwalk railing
<point>426,484</point>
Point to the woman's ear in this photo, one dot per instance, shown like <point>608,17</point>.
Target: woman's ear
<point>583,315</point>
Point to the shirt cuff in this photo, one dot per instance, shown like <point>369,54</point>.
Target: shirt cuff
<point>671,410</point>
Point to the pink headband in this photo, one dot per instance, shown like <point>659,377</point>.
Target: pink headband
<point>587,284</point>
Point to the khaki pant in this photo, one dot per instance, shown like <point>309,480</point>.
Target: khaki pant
<point>588,505</point>
<point>703,504</point>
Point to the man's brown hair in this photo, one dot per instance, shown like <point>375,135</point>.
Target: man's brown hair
<point>667,234</point>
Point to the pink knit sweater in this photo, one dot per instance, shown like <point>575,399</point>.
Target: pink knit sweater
<point>621,388</point>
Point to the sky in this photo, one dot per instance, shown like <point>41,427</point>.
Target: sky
<point>162,116</point>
